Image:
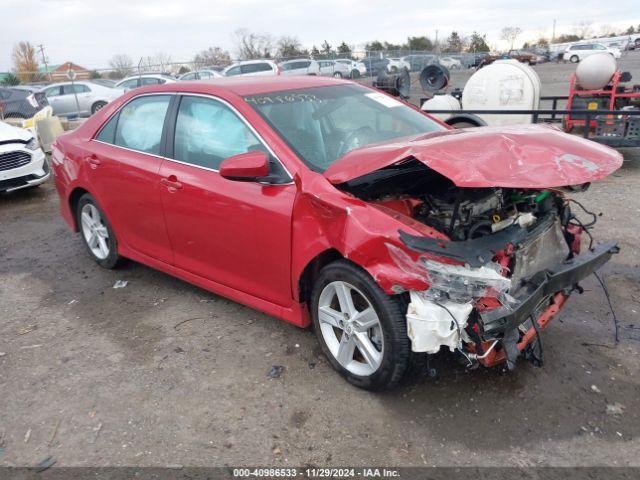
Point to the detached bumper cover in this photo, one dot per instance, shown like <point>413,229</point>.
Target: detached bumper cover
<point>542,286</point>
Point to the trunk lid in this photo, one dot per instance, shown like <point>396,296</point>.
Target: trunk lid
<point>522,156</point>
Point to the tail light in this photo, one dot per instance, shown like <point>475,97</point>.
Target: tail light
<point>278,70</point>
<point>32,100</point>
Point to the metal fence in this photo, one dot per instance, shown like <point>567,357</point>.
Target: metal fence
<point>75,97</point>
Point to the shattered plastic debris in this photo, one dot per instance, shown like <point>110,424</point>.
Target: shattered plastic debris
<point>275,371</point>
<point>458,282</point>
<point>44,464</point>
<point>120,284</point>
<point>27,329</point>
<point>615,409</point>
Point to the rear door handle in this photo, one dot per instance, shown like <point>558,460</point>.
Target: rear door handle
<point>171,183</point>
<point>93,161</point>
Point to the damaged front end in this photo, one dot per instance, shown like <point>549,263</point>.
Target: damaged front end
<point>500,265</point>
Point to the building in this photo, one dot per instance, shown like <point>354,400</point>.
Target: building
<point>58,73</point>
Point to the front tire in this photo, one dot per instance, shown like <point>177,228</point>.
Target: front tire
<point>361,329</point>
<point>96,232</point>
<point>337,75</point>
<point>574,59</point>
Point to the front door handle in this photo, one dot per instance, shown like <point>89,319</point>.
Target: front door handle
<point>171,183</point>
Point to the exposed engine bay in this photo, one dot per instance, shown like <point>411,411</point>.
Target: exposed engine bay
<point>510,255</point>
<point>460,213</point>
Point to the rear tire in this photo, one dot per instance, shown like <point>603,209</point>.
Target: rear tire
<point>97,106</point>
<point>355,73</point>
<point>337,74</point>
<point>96,232</point>
<point>574,59</point>
<point>380,347</point>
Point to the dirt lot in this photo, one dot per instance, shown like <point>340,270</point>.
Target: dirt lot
<point>163,373</point>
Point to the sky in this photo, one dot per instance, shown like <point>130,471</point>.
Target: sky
<point>91,32</point>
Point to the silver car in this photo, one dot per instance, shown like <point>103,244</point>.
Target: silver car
<point>331,68</point>
<point>82,98</point>
<point>301,66</point>
<point>144,79</point>
<point>200,75</point>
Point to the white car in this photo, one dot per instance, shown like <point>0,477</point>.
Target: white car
<point>252,68</point>
<point>81,98</point>
<point>331,68</point>
<point>450,63</point>
<point>398,64</point>
<point>577,52</point>
<point>199,75</point>
<point>145,79</point>
<point>358,69</point>
<point>22,162</point>
<point>301,66</point>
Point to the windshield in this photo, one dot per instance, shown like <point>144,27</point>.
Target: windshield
<point>324,123</point>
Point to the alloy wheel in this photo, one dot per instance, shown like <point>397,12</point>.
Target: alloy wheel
<point>351,328</point>
<point>94,231</point>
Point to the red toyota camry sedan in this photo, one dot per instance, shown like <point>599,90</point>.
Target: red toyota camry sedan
<point>325,202</point>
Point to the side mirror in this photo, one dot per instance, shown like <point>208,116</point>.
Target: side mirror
<point>245,167</point>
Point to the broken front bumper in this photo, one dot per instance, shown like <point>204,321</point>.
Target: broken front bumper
<point>542,286</point>
<point>539,300</point>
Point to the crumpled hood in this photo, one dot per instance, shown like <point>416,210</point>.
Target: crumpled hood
<point>9,132</point>
<point>523,156</point>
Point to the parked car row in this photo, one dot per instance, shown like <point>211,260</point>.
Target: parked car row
<point>85,97</point>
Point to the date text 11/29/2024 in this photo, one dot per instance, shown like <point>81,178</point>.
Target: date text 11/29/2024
<point>316,473</point>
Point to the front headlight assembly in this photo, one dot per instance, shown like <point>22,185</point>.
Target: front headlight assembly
<point>32,144</point>
<point>456,282</point>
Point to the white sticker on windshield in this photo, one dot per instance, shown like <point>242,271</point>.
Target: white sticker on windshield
<point>384,99</point>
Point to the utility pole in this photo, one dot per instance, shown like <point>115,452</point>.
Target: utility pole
<point>553,34</point>
<point>44,60</point>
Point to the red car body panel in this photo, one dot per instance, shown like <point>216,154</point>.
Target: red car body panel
<point>252,242</point>
<point>523,156</point>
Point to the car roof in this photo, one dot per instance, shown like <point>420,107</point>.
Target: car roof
<point>151,75</point>
<point>297,60</point>
<point>246,85</point>
<point>257,60</point>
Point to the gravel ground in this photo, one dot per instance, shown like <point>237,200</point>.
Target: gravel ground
<point>163,373</point>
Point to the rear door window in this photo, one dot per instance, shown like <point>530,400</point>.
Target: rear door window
<point>233,71</point>
<point>132,83</point>
<point>53,91</point>
<point>140,123</point>
<point>150,81</point>
<point>255,67</point>
<point>75,88</point>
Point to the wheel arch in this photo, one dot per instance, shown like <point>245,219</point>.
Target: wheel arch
<point>311,271</point>
<point>74,198</point>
